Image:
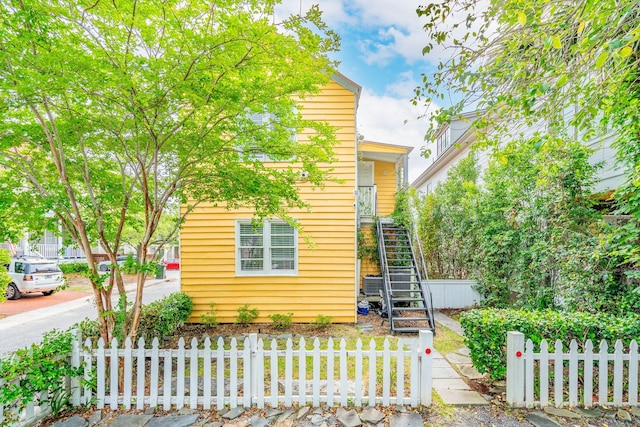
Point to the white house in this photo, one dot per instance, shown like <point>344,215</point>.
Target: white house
<point>454,140</point>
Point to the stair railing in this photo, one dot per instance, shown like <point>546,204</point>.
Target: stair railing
<point>421,264</point>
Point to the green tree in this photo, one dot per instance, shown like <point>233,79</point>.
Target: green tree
<point>571,65</point>
<point>5,258</point>
<point>111,111</point>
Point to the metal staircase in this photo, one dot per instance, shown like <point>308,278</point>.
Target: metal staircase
<point>406,295</point>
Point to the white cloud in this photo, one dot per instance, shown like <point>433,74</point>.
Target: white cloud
<point>392,119</point>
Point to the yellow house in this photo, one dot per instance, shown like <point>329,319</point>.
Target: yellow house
<point>228,262</point>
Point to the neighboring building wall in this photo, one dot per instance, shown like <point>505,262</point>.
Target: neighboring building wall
<point>609,176</point>
<point>326,274</point>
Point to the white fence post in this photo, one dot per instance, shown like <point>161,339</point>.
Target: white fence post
<point>515,369</point>
<point>425,348</point>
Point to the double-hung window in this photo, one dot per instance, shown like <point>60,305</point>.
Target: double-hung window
<point>267,249</point>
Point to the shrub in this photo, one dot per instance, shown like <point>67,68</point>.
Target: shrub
<point>5,279</point>
<point>163,317</point>
<point>323,321</point>
<point>39,368</point>
<point>281,321</point>
<point>210,318</point>
<point>486,332</point>
<point>246,315</point>
<point>74,267</point>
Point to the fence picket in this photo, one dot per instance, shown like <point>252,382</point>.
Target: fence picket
<point>316,373</point>
<point>193,374</point>
<point>415,374</point>
<point>558,382</point>
<point>330,371</point>
<point>288,374</point>
<point>101,372</point>
<point>140,382</point>
<point>155,376</point>
<point>603,373</point>
<point>302,372</point>
<point>220,362</point>
<point>180,372</point>
<point>633,373</point>
<point>573,373</point>
<point>400,374</point>
<point>88,365</point>
<point>529,380</point>
<point>358,379</point>
<point>127,373</point>
<point>544,373</point>
<point>259,368</point>
<point>588,374</point>
<point>75,363</point>
<point>206,362</point>
<point>372,373</point>
<point>233,374</point>
<point>247,391</point>
<point>273,359</point>
<point>166,393</point>
<point>114,364</point>
<point>343,373</point>
<point>386,373</point>
<point>618,364</point>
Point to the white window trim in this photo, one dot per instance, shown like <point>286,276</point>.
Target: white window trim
<point>267,248</point>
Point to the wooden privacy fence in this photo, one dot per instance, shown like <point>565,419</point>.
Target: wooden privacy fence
<point>581,377</point>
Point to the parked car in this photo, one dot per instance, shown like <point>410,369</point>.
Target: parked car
<point>105,266</point>
<point>172,264</point>
<point>31,275</point>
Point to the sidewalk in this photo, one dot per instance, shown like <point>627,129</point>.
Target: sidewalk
<point>42,313</point>
<point>447,381</point>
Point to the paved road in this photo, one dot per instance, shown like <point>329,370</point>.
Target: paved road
<point>24,329</point>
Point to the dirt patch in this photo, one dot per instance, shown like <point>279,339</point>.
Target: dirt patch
<point>370,325</point>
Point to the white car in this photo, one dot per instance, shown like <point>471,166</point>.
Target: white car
<point>30,275</point>
<point>105,266</point>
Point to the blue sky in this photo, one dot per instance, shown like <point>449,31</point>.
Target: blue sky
<point>381,50</point>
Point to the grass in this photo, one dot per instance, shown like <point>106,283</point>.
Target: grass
<point>446,341</point>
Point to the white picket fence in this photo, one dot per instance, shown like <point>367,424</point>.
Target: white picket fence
<point>580,377</point>
<point>247,373</point>
<point>251,374</point>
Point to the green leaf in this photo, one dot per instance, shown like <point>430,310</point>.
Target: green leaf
<point>602,58</point>
<point>556,43</point>
<point>562,80</point>
<point>625,51</point>
<point>522,18</point>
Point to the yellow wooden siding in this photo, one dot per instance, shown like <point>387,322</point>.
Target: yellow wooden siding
<point>384,176</point>
<point>326,282</point>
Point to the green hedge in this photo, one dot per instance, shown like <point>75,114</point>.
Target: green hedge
<point>486,332</point>
<point>73,267</point>
<point>158,319</point>
<point>163,317</point>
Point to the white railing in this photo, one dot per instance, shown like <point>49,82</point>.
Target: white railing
<point>581,377</point>
<point>367,200</point>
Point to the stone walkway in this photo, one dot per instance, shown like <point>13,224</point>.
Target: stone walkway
<point>239,417</point>
<point>447,382</point>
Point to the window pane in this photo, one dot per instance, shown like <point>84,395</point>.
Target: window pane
<point>282,235</point>
<point>283,259</point>
<point>251,236</point>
